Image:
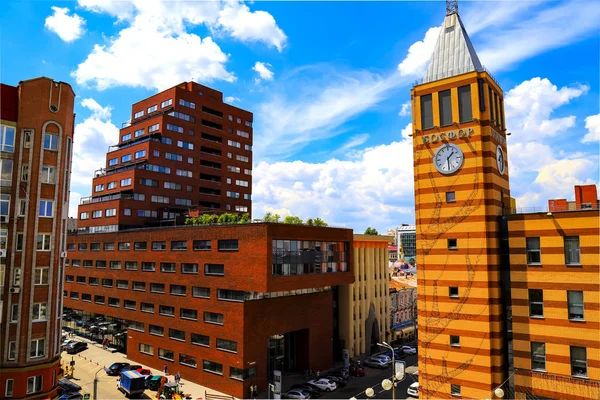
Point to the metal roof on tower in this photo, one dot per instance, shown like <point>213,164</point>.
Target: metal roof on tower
<point>454,53</point>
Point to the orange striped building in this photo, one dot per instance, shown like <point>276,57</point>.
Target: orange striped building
<point>555,285</point>
<point>461,187</point>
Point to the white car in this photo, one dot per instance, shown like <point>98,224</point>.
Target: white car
<point>296,394</point>
<point>324,384</point>
<point>384,358</point>
<point>376,362</point>
<point>409,350</point>
<point>413,389</point>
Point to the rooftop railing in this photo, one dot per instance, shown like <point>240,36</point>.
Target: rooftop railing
<point>101,199</point>
<point>555,208</point>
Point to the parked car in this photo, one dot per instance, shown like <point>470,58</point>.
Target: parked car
<point>342,373</point>
<point>383,357</point>
<point>66,343</point>
<point>413,389</point>
<point>153,382</point>
<point>131,367</point>
<point>312,390</point>
<point>397,353</point>
<point>296,394</point>
<point>67,386</point>
<point>144,371</point>
<point>76,347</point>
<point>324,384</point>
<point>356,370</point>
<point>339,381</point>
<point>409,350</point>
<point>376,362</point>
<point>115,368</point>
<point>71,396</point>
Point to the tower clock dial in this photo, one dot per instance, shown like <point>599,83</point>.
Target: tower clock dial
<point>500,160</point>
<point>448,159</point>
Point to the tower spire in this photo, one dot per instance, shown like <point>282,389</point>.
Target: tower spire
<point>451,7</point>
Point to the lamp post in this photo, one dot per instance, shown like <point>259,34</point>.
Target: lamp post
<point>385,384</point>
<point>96,384</point>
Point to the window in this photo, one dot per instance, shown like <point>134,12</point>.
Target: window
<point>213,318</point>
<point>50,141</point>
<point>139,286</point>
<point>179,245</point>
<point>242,374</point>
<point>4,204</point>
<point>8,391</point>
<point>69,278</point>
<point>147,307</point>
<point>152,109</point>
<point>233,143</point>
<point>241,183</point>
<point>34,384</point>
<point>124,246</point>
<point>234,195</point>
<point>7,138</point>
<point>454,341</point>
<point>39,312</point>
<point>14,314</point>
<point>243,134</point>
<point>536,303</point>
<point>138,114</point>
<point>97,214</point>
<point>445,103</point>
<point>183,172</point>
<point>171,185</point>
<point>534,255</point>
<point>94,246</point>
<point>186,313</point>
<point>572,252</point>
<point>106,282</point>
<point>157,287</point>
<point>166,103</point>
<point>40,276</point>
<point>125,182</point>
<point>101,264</point>
<point>86,297</point>
<point>19,246</point>
<point>140,246</point>
<point>115,265</point>
<point>202,292</point>
<point>166,140</point>
<point>127,211</point>
<point>189,268</point>
<point>450,197</point>
<point>88,263</point>
<point>174,157</point>
<point>84,215</point>
<point>177,290</point>
<point>25,173</point>
<point>113,161</point>
<point>159,199</point>
<point>231,168</point>
<point>82,246</point>
<point>214,269</point>
<point>183,202</point>
<point>455,390</point>
<point>93,281</point>
<point>122,284</point>
<point>579,362</point>
<point>575,304</point>
<point>202,245</point>
<point>231,295</point>
<point>139,154</point>
<point>241,208</point>
<point>159,246</point>
<point>227,345</point>
<point>464,104</point>
<point>22,207</point>
<point>166,354</point>
<point>176,334</point>
<point>201,340</point>
<point>157,330</point>
<point>48,175</point>
<point>146,348</point>
<point>213,367</point>
<point>114,302</point>
<point>138,133</point>
<point>453,291</point>
<point>46,208</point>
<point>129,304</point>
<point>538,356</point>
<point>426,112</point>
<point>43,241</point>
<point>167,267</point>
<point>111,185</point>
<point>452,244</point>
<point>148,266</point>
<point>125,138</point>
<point>136,326</point>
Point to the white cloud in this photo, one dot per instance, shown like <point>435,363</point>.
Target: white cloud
<point>263,71</point>
<point>73,204</point>
<point>98,111</point>
<point>371,190</point>
<point>419,54</point>
<point>241,23</point>
<point>354,141</point>
<point>231,99</point>
<point>406,110</point>
<point>529,107</point>
<point>125,60</point>
<point>592,124</point>
<point>67,27</point>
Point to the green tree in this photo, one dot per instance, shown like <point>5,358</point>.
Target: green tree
<point>319,222</point>
<point>270,217</point>
<point>371,231</point>
<point>310,222</point>
<point>244,219</point>
<point>292,219</point>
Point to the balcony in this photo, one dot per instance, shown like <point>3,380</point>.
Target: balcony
<point>101,199</point>
<point>153,137</point>
<point>130,122</point>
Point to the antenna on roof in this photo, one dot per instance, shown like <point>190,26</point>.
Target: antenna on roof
<point>451,7</point>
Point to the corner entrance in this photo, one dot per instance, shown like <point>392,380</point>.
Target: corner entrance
<point>288,352</point>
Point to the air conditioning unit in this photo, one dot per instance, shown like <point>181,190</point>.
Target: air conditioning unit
<point>4,219</point>
<point>15,289</point>
<point>63,254</point>
<point>2,252</point>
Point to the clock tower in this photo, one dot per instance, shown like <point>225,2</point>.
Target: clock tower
<point>461,187</point>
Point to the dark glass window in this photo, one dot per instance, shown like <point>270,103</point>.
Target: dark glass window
<point>202,292</point>
<point>445,102</point>
<point>242,374</point>
<point>212,367</point>
<point>157,287</point>
<point>214,269</point>
<point>124,246</point>
<point>450,197</point>
<point>109,246</point>
<point>82,246</point>
<point>491,101</point>
<point>148,266</point>
<point>177,290</point>
<point>575,304</point>
<point>167,267</point>
<point>201,340</point>
<point>166,354</point>
<point>534,253</point>
<point>579,365</point>
<point>426,112</point>
<point>176,334</point>
<point>538,356</point>
<point>453,291</point>
<point>465,108</point>
<point>202,245</point>
<point>190,361</point>
<point>227,345</point>
<point>213,318</point>
<point>572,251</point>
<point>536,303</point>
<point>159,246</point>
<point>140,246</point>
<point>157,330</point>
<point>232,295</point>
<point>189,268</point>
<point>228,245</point>
<point>169,311</point>
<point>179,245</point>
<point>453,244</point>
<point>454,340</point>
<point>186,313</point>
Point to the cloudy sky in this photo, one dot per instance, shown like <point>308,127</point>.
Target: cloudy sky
<point>329,85</point>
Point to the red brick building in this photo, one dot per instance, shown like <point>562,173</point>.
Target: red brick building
<point>182,149</point>
<point>36,140</point>
<point>224,305</point>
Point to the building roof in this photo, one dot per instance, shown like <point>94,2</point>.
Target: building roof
<point>454,53</point>
<point>372,238</point>
<point>407,228</point>
<point>400,282</point>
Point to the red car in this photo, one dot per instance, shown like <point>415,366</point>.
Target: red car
<point>356,370</point>
<point>144,371</point>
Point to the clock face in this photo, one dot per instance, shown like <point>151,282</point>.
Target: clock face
<point>500,160</point>
<point>448,159</point>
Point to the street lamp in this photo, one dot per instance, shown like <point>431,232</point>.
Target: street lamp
<point>387,384</point>
<point>370,392</point>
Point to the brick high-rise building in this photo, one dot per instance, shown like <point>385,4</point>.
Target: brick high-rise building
<point>36,141</point>
<point>183,149</point>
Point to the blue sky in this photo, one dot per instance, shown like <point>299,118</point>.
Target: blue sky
<point>328,83</point>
